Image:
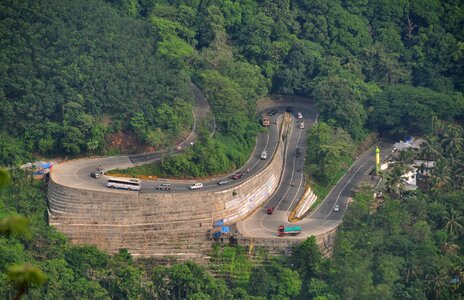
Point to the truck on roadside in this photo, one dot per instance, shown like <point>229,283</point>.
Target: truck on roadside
<point>290,230</point>
<point>266,121</point>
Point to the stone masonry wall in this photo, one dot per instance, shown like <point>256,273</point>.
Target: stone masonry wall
<point>167,224</point>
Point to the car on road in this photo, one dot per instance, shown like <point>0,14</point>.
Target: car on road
<point>95,175</point>
<point>302,125</point>
<point>298,152</point>
<point>289,109</point>
<point>336,207</point>
<point>196,186</point>
<point>222,182</point>
<point>264,155</point>
<point>299,115</point>
<point>164,187</point>
<point>272,112</point>
<point>270,210</point>
<point>237,175</point>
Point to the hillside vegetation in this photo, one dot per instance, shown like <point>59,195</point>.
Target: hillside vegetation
<point>74,72</point>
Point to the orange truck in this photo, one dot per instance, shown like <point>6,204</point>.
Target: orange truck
<point>266,121</point>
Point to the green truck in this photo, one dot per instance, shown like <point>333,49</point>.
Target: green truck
<point>293,230</point>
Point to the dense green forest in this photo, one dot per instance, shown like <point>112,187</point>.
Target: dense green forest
<point>408,245</point>
<point>76,73</point>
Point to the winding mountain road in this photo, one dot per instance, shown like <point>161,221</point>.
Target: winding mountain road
<point>76,173</point>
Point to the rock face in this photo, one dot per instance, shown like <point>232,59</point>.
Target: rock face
<point>158,224</point>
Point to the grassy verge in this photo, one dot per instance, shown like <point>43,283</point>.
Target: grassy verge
<point>342,163</point>
<point>208,157</point>
<point>322,191</point>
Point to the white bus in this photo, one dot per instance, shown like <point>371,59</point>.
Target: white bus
<point>133,184</point>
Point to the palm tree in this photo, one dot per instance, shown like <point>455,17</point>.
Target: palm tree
<point>430,149</point>
<point>436,283</point>
<point>441,175</point>
<point>454,223</point>
<point>405,157</point>
<point>450,248</point>
<point>458,172</point>
<point>453,141</point>
<point>394,180</point>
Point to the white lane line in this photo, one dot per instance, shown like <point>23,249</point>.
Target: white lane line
<point>343,188</point>
<point>301,177</point>
<point>265,146</point>
<point>296,193</point>
<point>285,165</point>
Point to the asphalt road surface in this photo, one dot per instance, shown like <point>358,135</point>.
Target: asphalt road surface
<point>76,173</point>
<point>323,218</point>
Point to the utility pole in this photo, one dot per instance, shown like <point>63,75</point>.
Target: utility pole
<point>377,160</point>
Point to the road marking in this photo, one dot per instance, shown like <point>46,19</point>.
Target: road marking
<point>343,188</point>
<point>301,177</point>
<point>285,165</point>
<point>296,193</point>
<point>265,146</point>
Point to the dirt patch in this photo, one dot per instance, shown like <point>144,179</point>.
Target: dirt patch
<point>370,141</point>
<point>143,177</point>
<point>280,100</point>
<point>125,142</point>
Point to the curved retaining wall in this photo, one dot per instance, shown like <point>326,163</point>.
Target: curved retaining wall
<point>283,245</point>
<point>173,224</point>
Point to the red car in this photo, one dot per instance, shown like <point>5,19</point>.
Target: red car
<point>237,176</point>
<point>270,210</point>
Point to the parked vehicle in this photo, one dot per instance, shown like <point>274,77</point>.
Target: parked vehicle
<point>336,207</point>
<point>164,187</point>
<point>299,115</point>
<point>302,125</point>
<point>293,230</point>
<point>237,175</point>
<point>264,155</point>
<point>272,112</point>
<point>289,109</point>
<point>266,121</point>
<point>196,186</point>
<point>270,210</point>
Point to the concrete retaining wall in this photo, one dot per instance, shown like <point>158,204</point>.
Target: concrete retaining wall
<point>174,224</point>
<point>284,245</point>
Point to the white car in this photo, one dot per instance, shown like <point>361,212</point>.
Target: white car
<point>336,207</point>
<point>302,125</point>
<point>222,182</point>
<point>299,115</point>
<point>196,186</point>
<point>264,155</point>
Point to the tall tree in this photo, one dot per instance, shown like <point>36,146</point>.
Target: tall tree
<point>453,141</point>
<point>394,180</point>
<point>454,224</point>
<point>441,173</point>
